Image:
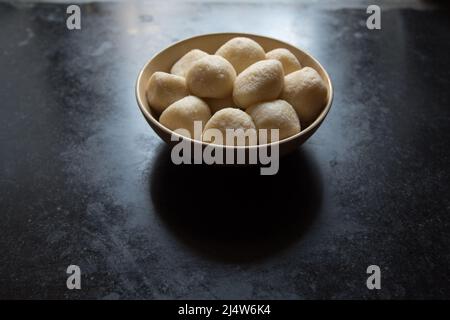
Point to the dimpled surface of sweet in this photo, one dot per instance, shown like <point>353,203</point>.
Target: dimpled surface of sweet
<point>306,91</point>
<point>230,118</point>
<point>182,66</point>
<point>288,60</point>
<point>183,113</point>
<point>277,114</point>
<point>211,77</point>
<point>218,104</point>
<point>241,52</point>
<point>262,81</point>
<point>164,89</point>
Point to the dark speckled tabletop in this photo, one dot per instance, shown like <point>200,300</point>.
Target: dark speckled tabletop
<point>85,181</point>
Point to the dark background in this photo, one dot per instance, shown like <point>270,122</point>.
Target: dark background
<point>85,181</point>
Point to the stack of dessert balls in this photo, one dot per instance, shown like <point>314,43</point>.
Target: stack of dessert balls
<point>239,87</point>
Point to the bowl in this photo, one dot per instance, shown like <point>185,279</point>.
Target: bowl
<point>209,43</point>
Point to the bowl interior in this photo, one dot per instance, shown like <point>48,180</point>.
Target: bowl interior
<point>209,43</point>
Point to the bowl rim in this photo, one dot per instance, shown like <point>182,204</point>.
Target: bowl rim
<point>313,126</point>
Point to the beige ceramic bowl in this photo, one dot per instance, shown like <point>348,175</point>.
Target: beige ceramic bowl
<point>164,60</point>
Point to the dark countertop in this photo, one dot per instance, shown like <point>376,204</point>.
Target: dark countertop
<point>85,181</point>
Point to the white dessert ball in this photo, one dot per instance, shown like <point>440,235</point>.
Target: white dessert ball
<point>306,91</point>
<point>262,81</point>
<point>277,114</point>
<point>183,113</point>
<point>232,118</point>
<point>164,89</point>
<point>211,77</point>
<point>182,66</point>
<point>218,104</point>
<point>241,52</point>
<point>288,60</point>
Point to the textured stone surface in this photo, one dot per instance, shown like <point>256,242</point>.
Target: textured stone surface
<point>85,181</point>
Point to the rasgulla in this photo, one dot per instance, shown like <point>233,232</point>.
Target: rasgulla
<point>306,92</point>
<point>183,113</point>
<point>235,119</point>
<point>288,60</point>
<point>211,77</point>
<point>277,114</point>
<point>241,52</point>
<point>262,81</point>
<point>182,66</point>
<point>164,89</point>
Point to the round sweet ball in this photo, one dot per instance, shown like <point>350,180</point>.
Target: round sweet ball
<point>230,118</point>
<point>182,66</point>
<point>183,113</point>
<point>288,60</point>
<point>241,52</point>
<point>277,114</point>
<point>306,91</point>
<point>164,89</point>
<point>219,104</point>
<point>262,81</point>
<point>211,77</point>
